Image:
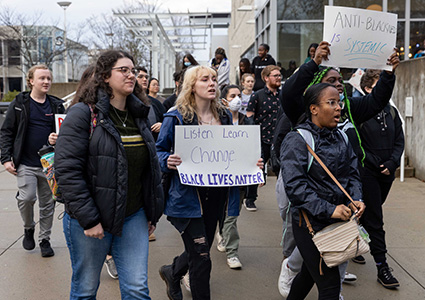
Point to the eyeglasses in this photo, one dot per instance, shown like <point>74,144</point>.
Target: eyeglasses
<point>126,71</point>
<point>276,76</point>
<point>334,104</point>
<point>143,76</point>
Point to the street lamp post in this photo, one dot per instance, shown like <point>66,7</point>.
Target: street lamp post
<point>64,5</point>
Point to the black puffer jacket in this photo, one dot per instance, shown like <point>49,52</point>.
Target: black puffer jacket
<point>92,174</point>
<point>313,190</point>
<point>14,129</point>
<point>361,108</point>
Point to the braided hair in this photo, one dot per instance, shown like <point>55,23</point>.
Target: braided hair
<point>318,77</point>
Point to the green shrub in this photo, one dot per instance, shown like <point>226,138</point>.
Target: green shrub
<point>9,96</point>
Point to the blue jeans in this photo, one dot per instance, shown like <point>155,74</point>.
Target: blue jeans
<point>130,253</point>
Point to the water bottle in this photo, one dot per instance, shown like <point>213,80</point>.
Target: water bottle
<point>363,233</point>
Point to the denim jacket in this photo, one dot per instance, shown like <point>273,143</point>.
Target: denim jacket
<point>183,201</point>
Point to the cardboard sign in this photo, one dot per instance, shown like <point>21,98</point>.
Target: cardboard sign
<point>58,121</point>
<point>219,155</point>
<point>359,38</point>
<point>355,80</point>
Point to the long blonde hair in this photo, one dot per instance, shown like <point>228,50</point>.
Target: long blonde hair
<point>186,104</point>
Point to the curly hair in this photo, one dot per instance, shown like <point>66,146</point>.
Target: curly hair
<point>102,71</point>
<point>368,79</point>
<point>185,102</point>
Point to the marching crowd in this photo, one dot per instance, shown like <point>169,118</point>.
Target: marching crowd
<point>116,167</point>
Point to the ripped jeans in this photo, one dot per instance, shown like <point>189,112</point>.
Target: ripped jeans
<point>198,236</point>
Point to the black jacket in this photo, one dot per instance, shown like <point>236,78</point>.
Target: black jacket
<point>362,108</point>
<point>169,102</point>
<point>14,129</point>
<point>383,141</point>
<point>257,67</point>
<point>313,190</point>
<point>283,127</point>
<point>92,173</point>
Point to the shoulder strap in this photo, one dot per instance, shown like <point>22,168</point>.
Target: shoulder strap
<point>344,135</point>
<point>308,138</point>
<point>392,112</point>
<point>331,175</point>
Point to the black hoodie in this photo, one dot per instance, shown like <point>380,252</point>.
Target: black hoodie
<point>257,67</point>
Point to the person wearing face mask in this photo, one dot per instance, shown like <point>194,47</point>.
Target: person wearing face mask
<point>189,61</point>
<point>227,235</point>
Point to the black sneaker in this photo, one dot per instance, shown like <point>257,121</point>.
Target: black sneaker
<point>386,278</point>
<point>28,242</point>
<point>249,205</point>
<point>111,268</point>
<point>174,291</point>
<point>46,250</point>
<point>359,260</point>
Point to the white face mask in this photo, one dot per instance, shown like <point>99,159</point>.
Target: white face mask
<point>235,104</point>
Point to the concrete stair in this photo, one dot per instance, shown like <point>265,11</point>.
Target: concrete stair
<point>409,171</point>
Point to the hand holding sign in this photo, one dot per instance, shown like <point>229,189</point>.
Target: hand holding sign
<point>217,155</point>
<point>360,38</point>
<point>322,52</point>
<point>394,60</point>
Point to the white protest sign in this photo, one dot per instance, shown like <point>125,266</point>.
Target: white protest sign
<point>359,38</point>
<point>58,121</point>
<point>219,155</point>
<point>356,79</point>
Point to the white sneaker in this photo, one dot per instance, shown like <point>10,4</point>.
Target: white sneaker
<point>220,242</point>
<point>341,297</point>
<point>349,277</point>
<point>185,281</point>
<point>285,279</point>
<point>234,263</point>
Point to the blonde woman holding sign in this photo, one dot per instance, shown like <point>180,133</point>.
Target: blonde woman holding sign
<point>194,211</point>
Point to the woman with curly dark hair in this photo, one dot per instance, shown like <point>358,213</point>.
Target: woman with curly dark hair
<point>108,172</point>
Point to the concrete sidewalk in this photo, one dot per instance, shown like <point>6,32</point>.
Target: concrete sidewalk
<point>26,275</point>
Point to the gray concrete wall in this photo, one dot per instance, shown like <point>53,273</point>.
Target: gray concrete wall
<point>62,89</point>
<point>241,35</point>
<point>411,83</point>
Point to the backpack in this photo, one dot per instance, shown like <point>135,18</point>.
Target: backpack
<point>308,138</point>
<point>47,159</point>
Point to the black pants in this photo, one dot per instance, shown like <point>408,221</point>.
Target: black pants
<point>252,193</point>
<point>198,237</point>
<point>329,284</point>
<point>375,193</point>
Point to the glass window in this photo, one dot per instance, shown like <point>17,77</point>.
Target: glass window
<point>417,38</point>
<point>14,51</point>
<point>371,4</point>
<point>417,9</point>
<point>301,10</point>
<point>397,7</point>
<point>45,49</point>
<point>400,39</point>
<point>294,39</point>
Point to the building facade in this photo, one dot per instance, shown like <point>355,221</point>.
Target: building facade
<point>289,27</point>
<point>24,46</point>
<point>241,34</point>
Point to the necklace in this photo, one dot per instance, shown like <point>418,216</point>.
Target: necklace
<point>205,123</point>
<point>125,119</point>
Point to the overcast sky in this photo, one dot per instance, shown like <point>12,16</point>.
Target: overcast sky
<point>80,10</point>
